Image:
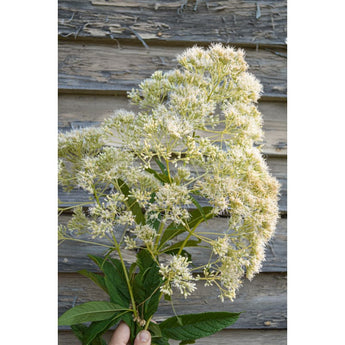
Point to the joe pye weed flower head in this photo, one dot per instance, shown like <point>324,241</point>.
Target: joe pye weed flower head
<point>188,154</point>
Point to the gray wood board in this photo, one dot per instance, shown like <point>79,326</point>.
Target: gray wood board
<point>225,337</point>
<point>236,22</point>
<point>263,301</point>
<point>98,67</point>
<point>73,255</point>
<point>79,111</point>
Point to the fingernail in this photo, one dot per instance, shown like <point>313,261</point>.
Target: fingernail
<point>144,336</point>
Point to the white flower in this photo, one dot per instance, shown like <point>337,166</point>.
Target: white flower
<point>221,246</point>
<point>145,233</point>
<point>177,274</point>
<point>194,134</point>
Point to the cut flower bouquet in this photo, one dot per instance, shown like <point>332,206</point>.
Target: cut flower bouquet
<point>190,153</point>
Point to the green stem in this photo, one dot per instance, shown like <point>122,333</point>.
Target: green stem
<point>88,242</point>
<point>127,281</point>
<point>160,230</point>
<point>191,231</point>
<point>168,169</point>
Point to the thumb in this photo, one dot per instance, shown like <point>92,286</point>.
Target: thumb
<point>143,338</point>
<point>121,335</point>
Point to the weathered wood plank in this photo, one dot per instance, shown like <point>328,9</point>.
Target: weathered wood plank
<point>245,22</point>
<point>263,300</point>
<point>226,337</point>
<point>108,68</point>
<point>81,111</point>
<point>73,255</point>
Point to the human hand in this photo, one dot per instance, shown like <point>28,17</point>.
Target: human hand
<point>122,334</point>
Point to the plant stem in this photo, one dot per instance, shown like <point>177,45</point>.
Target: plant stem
<point>188,236</point>
<point>150,318</point>
<point>88,242</point>
<point>127,281</point>
<point>168,169</point>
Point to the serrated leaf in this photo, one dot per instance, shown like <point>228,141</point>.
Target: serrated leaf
<point>146,284</point>
<point>96,278</point>
<point>79,331</point>
<point>88,312</point>
<point>114,280</point>
<point>97,328</point>
<point>195,326</point>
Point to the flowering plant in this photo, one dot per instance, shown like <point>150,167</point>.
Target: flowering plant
<point>189,154</point>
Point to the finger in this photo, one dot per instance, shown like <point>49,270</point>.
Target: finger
<point>121,335</point>
<point>143,338</point>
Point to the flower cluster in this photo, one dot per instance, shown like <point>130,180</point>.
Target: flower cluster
<point>177,274</point>
<point>191,147</point>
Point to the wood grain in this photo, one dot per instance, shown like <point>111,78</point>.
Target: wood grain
<point>104,68</point>
<point>236,22</point>
<point>262,301</point>
<point>225,337</point>
<point>76,111</point>
<point>73,254</point>
<point>106,47</point>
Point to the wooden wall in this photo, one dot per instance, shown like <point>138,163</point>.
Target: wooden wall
<point>106,47</point>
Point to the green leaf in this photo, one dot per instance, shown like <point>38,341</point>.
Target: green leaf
<point>198,206</point>
<point>146,284</point>
<point>160,341</point>
<point>134,206</point>
<point>155,330</point>
<point>183,253</point>
<point>79,331</point>
<point>128,319</point>
<point>171,232</point>
<point>132,268</point>
<point>97,328</point>
<point>195,326</point>
<point>90,311</point>
<point>161,166</point>
<point>196,216</point>
<point>161,177</point>
<point>99,261</point>
<point>155,222</point>
<point>185,342</point>
<point>96,278</point>
<point>114,280</point>
<point>144,260</point>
